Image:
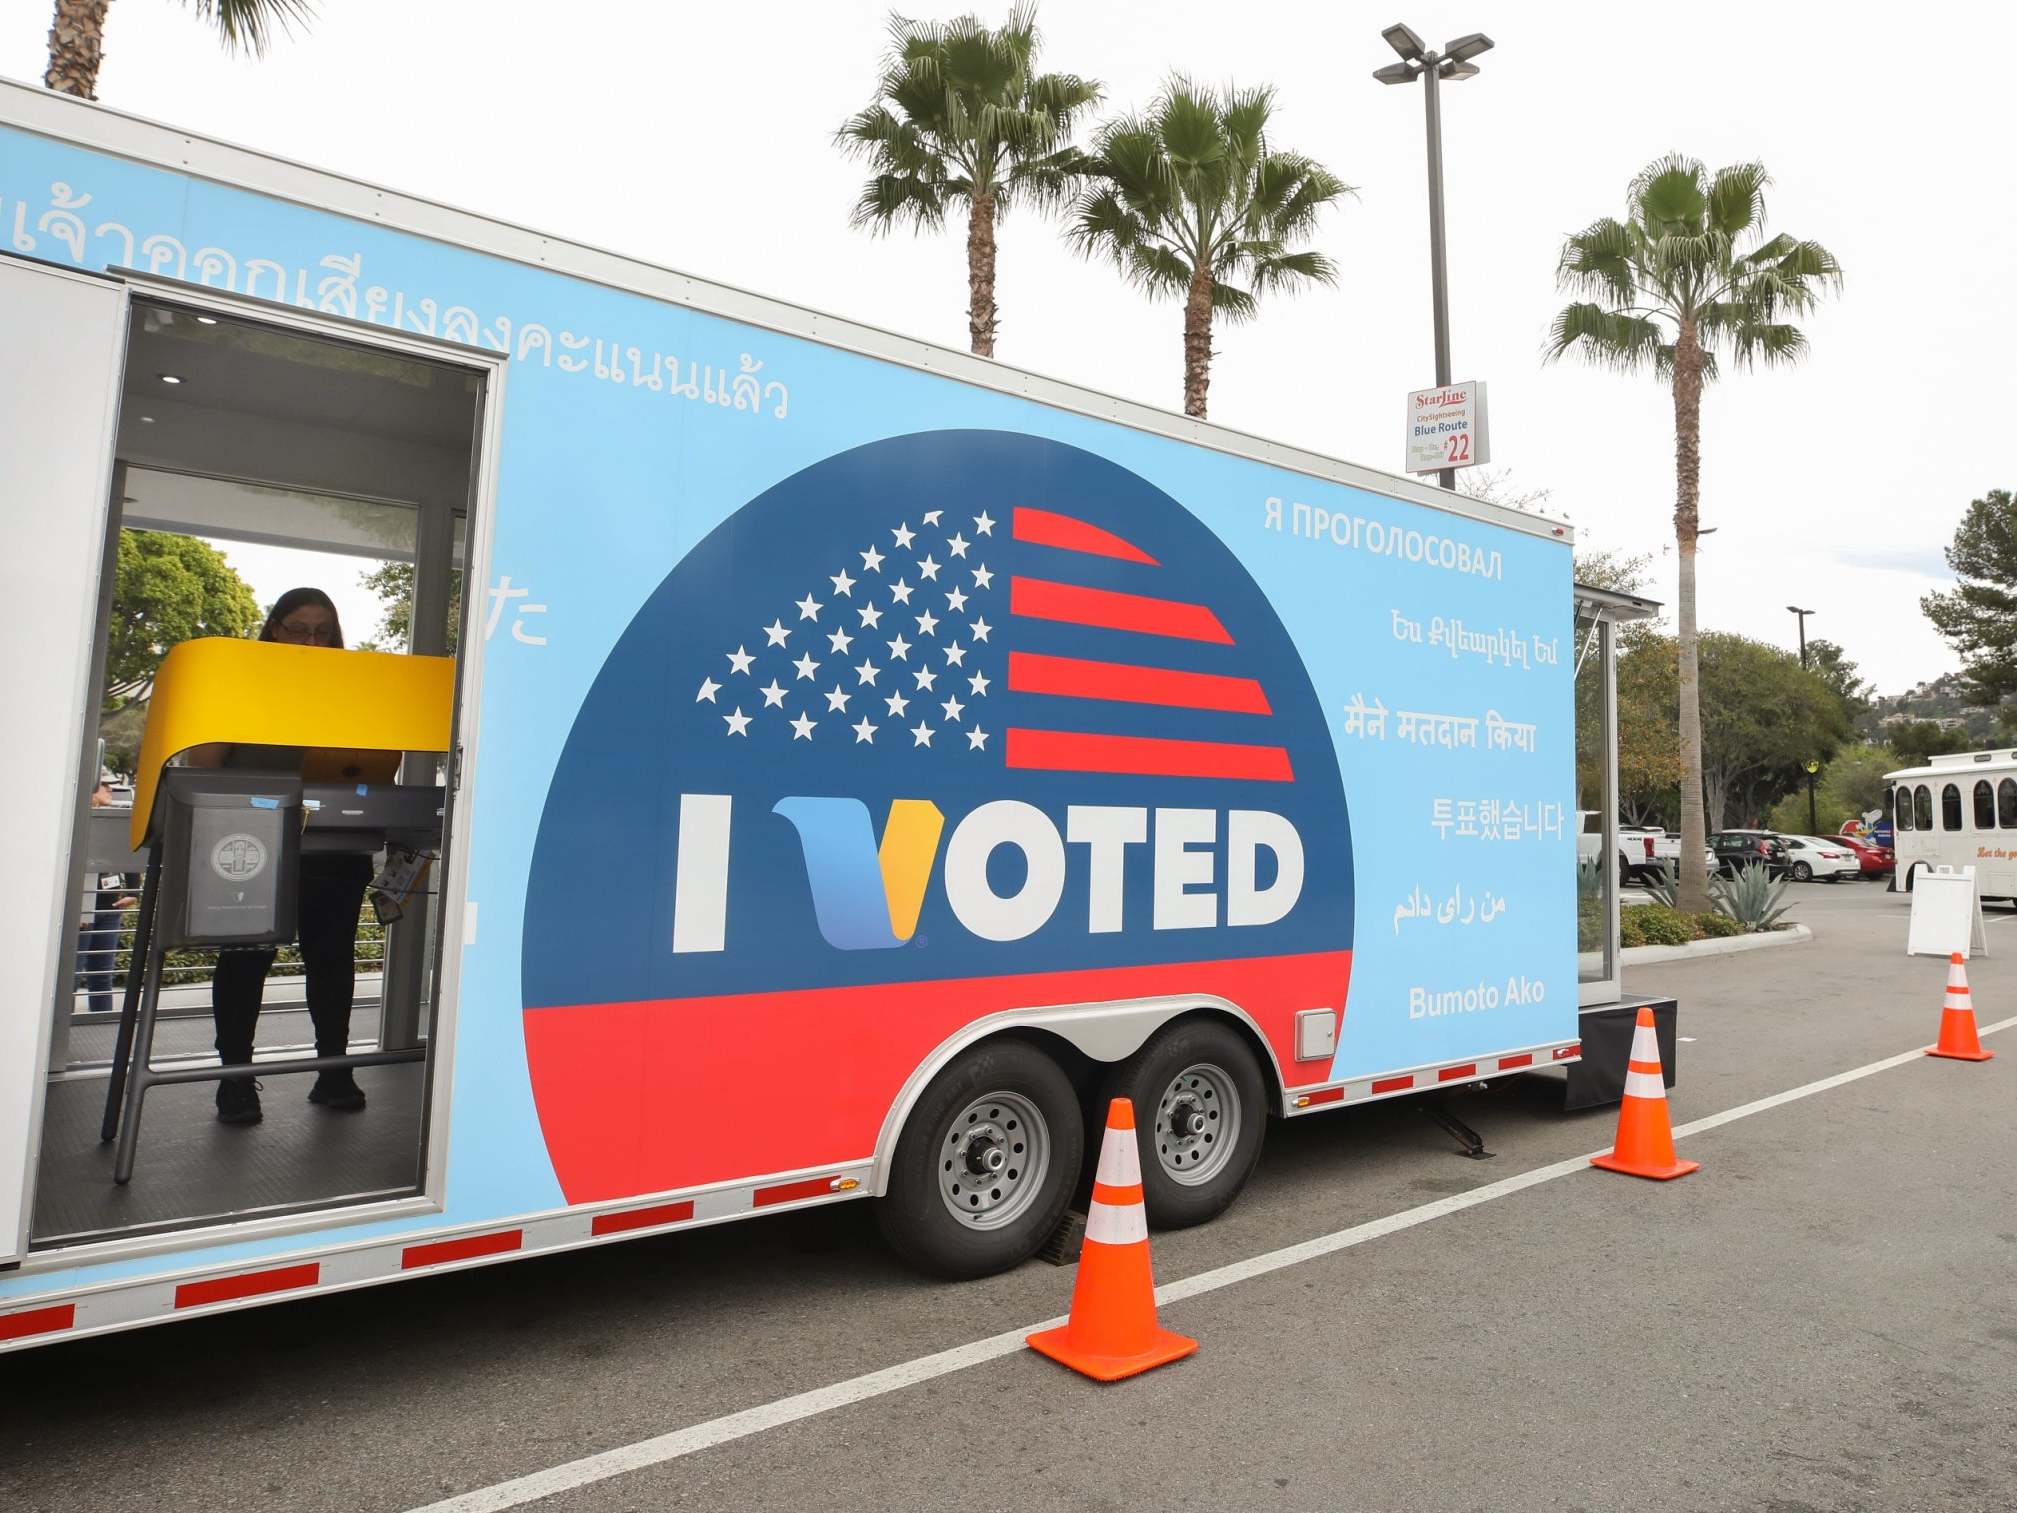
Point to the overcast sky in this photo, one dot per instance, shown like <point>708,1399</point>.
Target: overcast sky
<point>699,137</point>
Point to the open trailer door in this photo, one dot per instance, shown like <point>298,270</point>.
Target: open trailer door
<point>59,403</point>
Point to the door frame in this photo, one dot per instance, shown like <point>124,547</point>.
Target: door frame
<point>457,931</point>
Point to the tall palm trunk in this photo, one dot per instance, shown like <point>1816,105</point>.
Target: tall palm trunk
<point>1694,890</point>
<point>77,47</point>
<point>981,315</point>
<point>1198,342</point>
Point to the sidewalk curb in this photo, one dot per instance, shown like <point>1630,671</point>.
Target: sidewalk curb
<point>1728,945</point>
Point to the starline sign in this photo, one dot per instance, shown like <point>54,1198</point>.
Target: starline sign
<point>1447,428</point>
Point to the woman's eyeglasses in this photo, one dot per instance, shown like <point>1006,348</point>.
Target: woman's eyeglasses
<point>319,635</point>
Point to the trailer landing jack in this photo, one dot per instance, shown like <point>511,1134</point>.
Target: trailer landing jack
<point>1437,1112</point>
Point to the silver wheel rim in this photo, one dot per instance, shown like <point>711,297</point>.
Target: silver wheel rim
<point>1197,1124</point>
<point>993,1160</point>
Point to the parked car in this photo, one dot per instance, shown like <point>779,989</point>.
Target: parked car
<point>1646,852</point>
<point>1809,857</point>
<point>1875,860</point>
<point>1749,848</point>
<point>1642,849</point>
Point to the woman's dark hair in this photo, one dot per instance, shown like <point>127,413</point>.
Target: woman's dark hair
<point>292,600</point>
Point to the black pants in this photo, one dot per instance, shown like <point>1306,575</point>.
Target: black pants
<point>332,892</point>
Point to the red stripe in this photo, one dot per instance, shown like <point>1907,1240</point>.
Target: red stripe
<point>250,1284</point>
<point>1392,1084</point>
<point>1328,1095</point>
<point>1563,1052</point>
<point>440,1251</point>
<point>1144,756</point>
<point>1044,528</point>
<point>1452,1073</point>
<point>1040,599</point>
<point>1117,1196</point>
<point>641,1218</point>
<point>791,1192</point>
<point>1507,1063</point>
<point>1075,678</point>
<point>18,1326</point>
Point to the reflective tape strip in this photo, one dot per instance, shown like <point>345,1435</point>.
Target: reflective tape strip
<point>29,1321</point>
<point>1645,1044</point>
<point>1645,1085</point>
<point>249,1284</point>
<point>1111,1224</point>
<point>1120,1159</point>
<point>466,1248</point>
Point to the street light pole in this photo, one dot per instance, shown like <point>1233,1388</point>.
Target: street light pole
<point>1794,609</point>
<point>1431,67</point>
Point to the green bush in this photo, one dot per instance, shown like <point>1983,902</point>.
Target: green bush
<point>1714,926</point>
<point>1656,925</point>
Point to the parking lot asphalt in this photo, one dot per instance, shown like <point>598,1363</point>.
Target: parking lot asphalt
<point>1819,1319</point>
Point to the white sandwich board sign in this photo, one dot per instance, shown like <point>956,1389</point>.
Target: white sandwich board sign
<point>1946,914</point>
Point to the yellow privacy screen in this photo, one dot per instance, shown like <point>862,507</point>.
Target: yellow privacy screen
<point>268,693</point>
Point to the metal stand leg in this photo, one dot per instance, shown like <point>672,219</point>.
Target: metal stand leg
<point>140,1076</point>
<point>1438,1114</point>
<point>129,1008</point>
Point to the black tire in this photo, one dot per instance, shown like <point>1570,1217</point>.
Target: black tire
<point>1802,873</point>
<point>1910,873</point>
<point>915,1217</point>
<point>1147,1079</point>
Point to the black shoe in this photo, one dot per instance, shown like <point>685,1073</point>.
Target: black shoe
<point>337,1090</point>
<point>238,1101</point>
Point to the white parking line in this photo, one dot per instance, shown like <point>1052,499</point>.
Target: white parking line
<point>786,1410</point>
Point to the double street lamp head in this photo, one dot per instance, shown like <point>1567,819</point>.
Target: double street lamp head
<point>1453,62</point>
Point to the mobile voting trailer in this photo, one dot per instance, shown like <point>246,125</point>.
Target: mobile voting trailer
<point>863,758</point>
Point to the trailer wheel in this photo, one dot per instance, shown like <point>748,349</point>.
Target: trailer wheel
<point>986,1163</point>
<point>1200,1113</point>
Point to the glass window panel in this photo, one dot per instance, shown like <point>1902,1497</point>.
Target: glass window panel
<point>1950,807</point>
<point>1985,806</point>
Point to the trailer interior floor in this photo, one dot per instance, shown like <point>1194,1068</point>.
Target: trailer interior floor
<point>193,1170</point>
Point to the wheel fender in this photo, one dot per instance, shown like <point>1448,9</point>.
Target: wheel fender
<point>1107,1032</point>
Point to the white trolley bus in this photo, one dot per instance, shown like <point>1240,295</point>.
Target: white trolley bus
<point>1959,810</point>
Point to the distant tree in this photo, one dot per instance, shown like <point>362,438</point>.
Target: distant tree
<point>1689,272</point>
<point>1619,571</point>
<point>393,583</point>
<point>168,589</point>
<point>1849,786</point>
<point>77,35</point>
<point>962,118</point>
<point>1979,615</point>
<point>1763,716</point>
<point>1496,486</point>
<point>1832,665</point>
<point>1192,202</point>
<point>1919,741</point>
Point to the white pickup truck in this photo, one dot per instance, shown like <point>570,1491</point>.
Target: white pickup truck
<point>1641,849</point>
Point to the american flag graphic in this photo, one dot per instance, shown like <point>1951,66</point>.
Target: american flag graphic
<point>911,644</point>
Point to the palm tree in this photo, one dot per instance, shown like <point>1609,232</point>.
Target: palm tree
<point>1688,274</point>
<point>77,35</point>
<point>1191,201</point>
<point>961,117</point>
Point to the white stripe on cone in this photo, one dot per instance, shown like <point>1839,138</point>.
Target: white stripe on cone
<point>1645,1044</point>
<point>1645,1085</point>
<point>1117,1223</point>
<point>1120,1159</point>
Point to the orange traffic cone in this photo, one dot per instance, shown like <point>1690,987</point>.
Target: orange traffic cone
<point>1112,1330</point>
<point>1958,1039</point>
<point>1645,1145</point>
